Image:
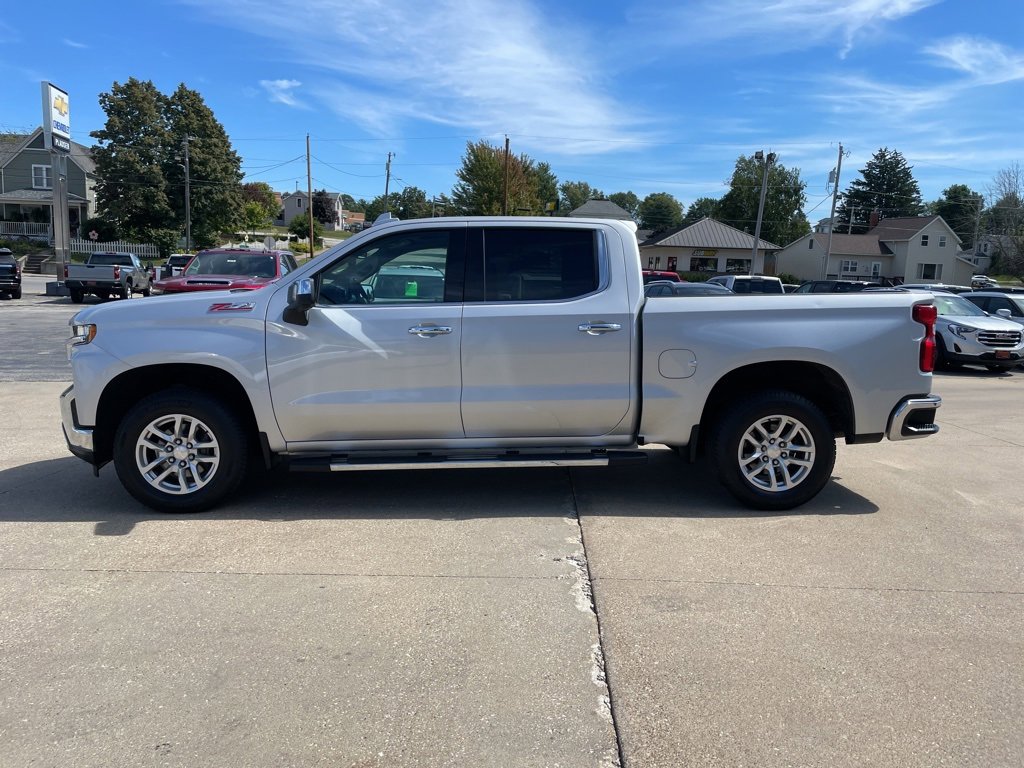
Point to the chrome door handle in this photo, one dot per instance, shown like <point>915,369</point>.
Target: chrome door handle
<point>596,329</point>
<point>430,330</point>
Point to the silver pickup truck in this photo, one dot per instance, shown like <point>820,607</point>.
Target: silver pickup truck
<point>105,274</point>
<point>490,342</point>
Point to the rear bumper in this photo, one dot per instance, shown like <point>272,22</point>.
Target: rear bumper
<point>79,439</point>
<point>914,417</point>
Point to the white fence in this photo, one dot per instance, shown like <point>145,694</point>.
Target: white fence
<point>24,229</point>
<point>142,250</point>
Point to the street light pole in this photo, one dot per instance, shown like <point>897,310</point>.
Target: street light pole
<point>188,203</point>
<point>759,155</point>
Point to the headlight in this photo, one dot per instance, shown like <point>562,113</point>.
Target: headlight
<point>961,330</point>
<point>81,333</point>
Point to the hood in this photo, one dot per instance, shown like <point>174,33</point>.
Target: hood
<point>989,323</point>
<point>185,283</point>
<point>175,308</point>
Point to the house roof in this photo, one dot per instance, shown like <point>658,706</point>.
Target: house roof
<point>35,196</point>
<point>895,230</point>
<point>708,233</point>
<point>11,145</point>
<point>601,209</point>
<point>851,245</point>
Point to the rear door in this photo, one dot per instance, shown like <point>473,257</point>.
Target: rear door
<point>547,334</point>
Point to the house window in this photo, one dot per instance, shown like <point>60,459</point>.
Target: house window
<point>876,269</point>
<point>298,202</point>
<point>984,247</point>
<point>929,271</point>
<point>942,241</point>
<point>41,177</point>
<point>924,241</point>
<point>848,268</point>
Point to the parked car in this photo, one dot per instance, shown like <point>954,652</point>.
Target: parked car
<point>983,281</point>
<point>650,275</point>
<point>221,269</point>
<point>790,287</point>
<point>835,286</point>
<point>964,334</point>
<point>668,288</point>
<point>176,264</point>
<point>749,283</point>
<point>105,274</point>
<point>1008,306</point>
<point>539,354</point>
<point>936,287</point>
<point>10,274</point>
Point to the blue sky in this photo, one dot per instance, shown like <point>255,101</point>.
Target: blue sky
<point>641,95</point>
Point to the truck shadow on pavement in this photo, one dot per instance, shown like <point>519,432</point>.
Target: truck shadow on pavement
<point>64,490</point>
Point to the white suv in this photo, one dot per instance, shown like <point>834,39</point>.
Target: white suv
<point>749,283</point>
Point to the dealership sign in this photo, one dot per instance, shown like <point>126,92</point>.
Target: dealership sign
<point>56,118</point>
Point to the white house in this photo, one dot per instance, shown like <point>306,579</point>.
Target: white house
<point>919,249</point>
<point>296,203</point>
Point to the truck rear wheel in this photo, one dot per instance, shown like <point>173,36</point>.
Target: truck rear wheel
<point>775,451</point>
<point>76,295</point>
<point>180,451</point>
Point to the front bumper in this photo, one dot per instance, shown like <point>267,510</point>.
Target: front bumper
<point>913,418</point>
<point>79,439</point>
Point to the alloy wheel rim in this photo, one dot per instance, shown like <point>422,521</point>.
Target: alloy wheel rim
<point>177,454</point>
<point>776,453</point>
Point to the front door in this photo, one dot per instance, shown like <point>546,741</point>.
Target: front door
<point>379,358</point>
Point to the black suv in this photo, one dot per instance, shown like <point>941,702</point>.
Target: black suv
<point>835,286</point>
<point>10,274</point>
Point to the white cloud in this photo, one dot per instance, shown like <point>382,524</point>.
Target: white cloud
<point>490,66</point>
<point>985,61</point>
<point>74,43</point>
<point>281,91</point>
<point>780,25</point>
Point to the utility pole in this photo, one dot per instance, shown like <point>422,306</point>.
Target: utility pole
<point>504,194</point>
<point>309,202</point>
<point>188,202</point>
<point>387,182</point>
<point>832,216</point>
<point>977,223</point>
<point>759,155</point>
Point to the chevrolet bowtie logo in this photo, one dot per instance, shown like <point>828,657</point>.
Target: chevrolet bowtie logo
<point>61,105</point>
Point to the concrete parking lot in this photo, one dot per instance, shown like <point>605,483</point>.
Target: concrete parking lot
<point>632,617</point>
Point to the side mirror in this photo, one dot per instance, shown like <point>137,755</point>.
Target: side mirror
<point>1004,313</point>
<point>300,301</point>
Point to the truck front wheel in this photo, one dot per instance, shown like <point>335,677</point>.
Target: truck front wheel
<point>180,451</point>
<point>775,451</point>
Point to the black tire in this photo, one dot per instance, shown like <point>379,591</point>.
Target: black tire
<point>77,295</point>
<point>16,293</point>
<point>942,360</point>
<point>774,415</point>
<point>146,291</point>
<point>212,467</point>
<point>125,291</point>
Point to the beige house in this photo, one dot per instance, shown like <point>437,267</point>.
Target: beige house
<point>920,249</point>
<point>707,246</point>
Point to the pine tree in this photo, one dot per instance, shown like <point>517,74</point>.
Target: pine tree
<point>887,186</point>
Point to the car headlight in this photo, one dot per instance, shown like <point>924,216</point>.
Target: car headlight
<point>81,333</point>
<point>963,331</point>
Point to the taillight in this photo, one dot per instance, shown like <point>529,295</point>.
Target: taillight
<point>117,273</point>
<point>926,314</point>
<point>65,271</point>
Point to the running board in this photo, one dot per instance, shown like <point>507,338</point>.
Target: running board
<point>349,463</point>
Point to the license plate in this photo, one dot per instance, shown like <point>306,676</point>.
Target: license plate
<point>1002,354</point>
<point>90,282</point>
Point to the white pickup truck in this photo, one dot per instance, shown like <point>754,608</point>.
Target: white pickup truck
<point>493,342</point>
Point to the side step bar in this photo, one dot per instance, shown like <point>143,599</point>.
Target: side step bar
<point>350,462</point>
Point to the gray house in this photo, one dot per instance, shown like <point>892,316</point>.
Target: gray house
<point>26,186</point>
<point>707,246</point>
<point>296,203</point>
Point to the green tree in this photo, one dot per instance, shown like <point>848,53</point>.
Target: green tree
<point>660,211</point>
<point>254,215</point>
<point>576,193</point>
<point>480,190</point>
<point>300,227</point>
<point>701,208</point>
<point>214,167</point>
<point>887,185</point>
<point>131,188</point>
<point>960,207</point>
<point>783,220</point>
<point>323,208</point>
<point>627,201</point>
<point>378,205</point>
<point>545,184</point>
<point>1005,219</point>
<point>260,192</point>
<point>349,203</point>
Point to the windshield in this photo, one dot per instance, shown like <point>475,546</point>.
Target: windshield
<point>955,306</point>
<point>251,265</point>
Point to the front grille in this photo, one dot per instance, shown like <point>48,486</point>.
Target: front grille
<point>999,338</point>
<point>209,282</point>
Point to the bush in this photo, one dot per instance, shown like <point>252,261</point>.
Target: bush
<point>298,248</point>
<point>785,277</point>
<point>106,231</point>
<point>24,247</point>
